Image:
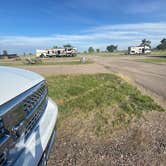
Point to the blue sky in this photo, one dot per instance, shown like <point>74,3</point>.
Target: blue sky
<point>30,24</point>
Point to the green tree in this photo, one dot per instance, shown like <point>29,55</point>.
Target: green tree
<point>112,48</point>
<point>5,53</point>
<point>91,50</point>
<point>67,45</point>
<point>162,45</point>
<point>97,50</point>
<point>55,46</point>
<point>145,43</point>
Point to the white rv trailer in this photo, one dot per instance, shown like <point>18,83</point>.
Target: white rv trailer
<point>138,50</point>
<point>40,53</point>
<point>57,52</point>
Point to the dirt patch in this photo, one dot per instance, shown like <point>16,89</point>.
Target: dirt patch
<point>67,69</point>
<point>142,143</point>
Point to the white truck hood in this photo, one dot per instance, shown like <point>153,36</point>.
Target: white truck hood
<point>15,81</point>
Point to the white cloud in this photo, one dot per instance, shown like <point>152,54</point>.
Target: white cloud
<point>146,7</point>
<point>121,34</point>
<point>159,26</point>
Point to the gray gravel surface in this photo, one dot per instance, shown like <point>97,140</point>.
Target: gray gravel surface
<point>143,143</point>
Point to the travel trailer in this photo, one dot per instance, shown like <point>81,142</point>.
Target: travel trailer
<point>139,50</point>
<point>57,52</point>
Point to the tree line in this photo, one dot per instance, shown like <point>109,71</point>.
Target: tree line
<point>112,48</point>
<point>144,42</point>
<point>109,48</point>
<point>65,46</point>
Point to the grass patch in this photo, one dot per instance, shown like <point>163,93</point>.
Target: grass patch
<point>159,52</point>
<point>66,63</point>
<point>41,62</point>
<point>105,54</point>
<point>153,60</point>
<point>97,104</point>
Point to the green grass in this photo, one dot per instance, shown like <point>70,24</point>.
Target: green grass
<point>105,54</point>
<point>97,104</point>
<point>159,52</point>
<point>66,63</point>
<point>153,60</point>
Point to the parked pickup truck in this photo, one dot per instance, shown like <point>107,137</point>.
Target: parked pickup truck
<point>27,118</point>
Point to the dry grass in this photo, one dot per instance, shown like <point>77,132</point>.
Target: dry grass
<point>33,61</point>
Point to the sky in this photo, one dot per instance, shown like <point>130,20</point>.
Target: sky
<point>27,25</point>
